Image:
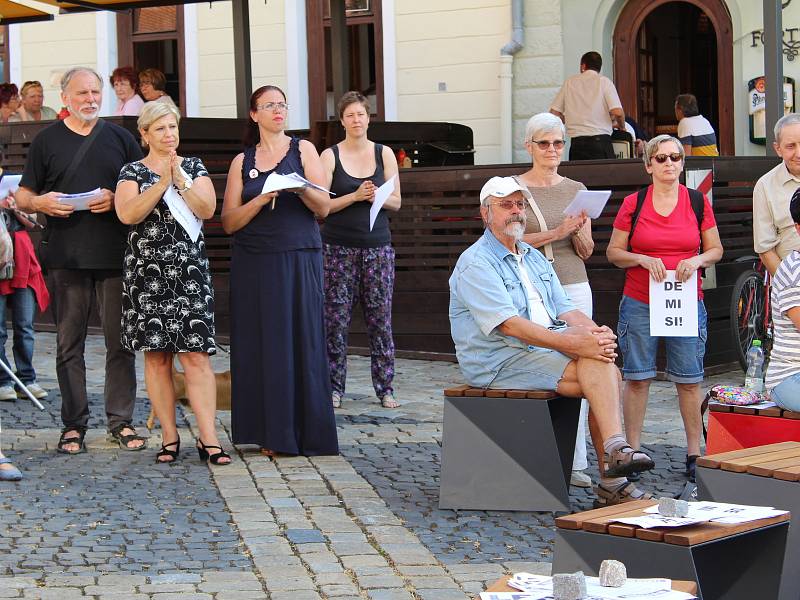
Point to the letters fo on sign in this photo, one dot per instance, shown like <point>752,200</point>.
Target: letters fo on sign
<point>673,307</point>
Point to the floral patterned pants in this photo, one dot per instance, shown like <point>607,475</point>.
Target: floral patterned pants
<point>365,275</point>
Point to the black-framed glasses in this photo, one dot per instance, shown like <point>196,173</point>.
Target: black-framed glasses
<point>545,144</point>
<point>279,106</point>
<point>673,156</point>
<point>509,204</point>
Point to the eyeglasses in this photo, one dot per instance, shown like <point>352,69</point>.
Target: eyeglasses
<point>544,144</point>
<point>673,156</point>
<point>273,106</point>
<point>509,204</point>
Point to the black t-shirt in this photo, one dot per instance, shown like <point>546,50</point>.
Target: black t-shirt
<point>84,240</point>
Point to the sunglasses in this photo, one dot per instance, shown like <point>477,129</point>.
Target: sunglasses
<point>544,144</point>
<point>662,158</point>
<point>509,204</point>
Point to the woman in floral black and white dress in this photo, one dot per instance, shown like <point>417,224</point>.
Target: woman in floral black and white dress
<point>167,297</point>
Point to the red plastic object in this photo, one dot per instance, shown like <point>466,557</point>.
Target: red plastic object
<point>733,431</point>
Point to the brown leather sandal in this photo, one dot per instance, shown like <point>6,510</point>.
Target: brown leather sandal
<point>627,492</point>
<point>626,460</point>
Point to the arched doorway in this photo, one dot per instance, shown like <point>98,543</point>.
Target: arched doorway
<point>665,47</point>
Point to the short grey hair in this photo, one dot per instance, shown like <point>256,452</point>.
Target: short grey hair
<point>785,121</point>
<point>70,74</point>
<point>651,148</point>
<point>542,123</point>
<point>153,111</point>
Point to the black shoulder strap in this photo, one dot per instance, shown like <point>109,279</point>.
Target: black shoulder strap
<point>69,174</point>
<point>379,155</point>
<point>641,195</point>
<point>698,206</point>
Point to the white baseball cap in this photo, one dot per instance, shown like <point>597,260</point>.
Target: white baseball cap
<point>500,187</point>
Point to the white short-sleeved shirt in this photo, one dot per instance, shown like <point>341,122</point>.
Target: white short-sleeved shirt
<point>773,227</point>
<point>585,101</point>
<point>785,356</point>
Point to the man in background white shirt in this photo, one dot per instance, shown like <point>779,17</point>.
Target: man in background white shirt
<point>589,105</point>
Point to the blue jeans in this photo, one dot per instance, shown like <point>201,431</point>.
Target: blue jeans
<point>23,307</point>
<point>787,393</point>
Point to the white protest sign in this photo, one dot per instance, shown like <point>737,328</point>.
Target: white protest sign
<point>673,307</point>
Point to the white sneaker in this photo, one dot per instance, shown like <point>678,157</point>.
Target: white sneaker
<point>34,388</point>
<point>7,393</point>
<point>580,479</point>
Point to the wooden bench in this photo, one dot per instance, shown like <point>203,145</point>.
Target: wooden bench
<point>507,449</point>
<point>736,427</point>
<point>728,562</point>
<point>690,587</point>
<point>766,476</point>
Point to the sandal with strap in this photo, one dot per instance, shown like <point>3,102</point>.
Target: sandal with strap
<point>206,456</point>
<point>626,492</point>
<point>336,400</point>
<point>388,401</point>
<point>115,435</point>
<point>172,454</point>
<point>625,460</point>
<point>64,441</point>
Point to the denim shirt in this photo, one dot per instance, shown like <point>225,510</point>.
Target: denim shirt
<point>486,290</point>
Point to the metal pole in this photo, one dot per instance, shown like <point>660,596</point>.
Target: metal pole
<point>241,57</point>
<point>773,67</point>
<point>22,386</point>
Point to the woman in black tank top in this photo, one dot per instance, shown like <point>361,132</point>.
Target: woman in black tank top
<point>359,259</point>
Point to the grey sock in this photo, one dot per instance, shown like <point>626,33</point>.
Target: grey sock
<point>614,442</point>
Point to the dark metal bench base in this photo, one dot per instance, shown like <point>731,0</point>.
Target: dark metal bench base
<point>745,566</point>
<point>743,488</point>
<point>507,453</point>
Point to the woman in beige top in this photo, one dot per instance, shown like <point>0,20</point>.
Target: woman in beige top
<point>568,238</point>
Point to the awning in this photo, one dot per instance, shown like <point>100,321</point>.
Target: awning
<point>13,12</point>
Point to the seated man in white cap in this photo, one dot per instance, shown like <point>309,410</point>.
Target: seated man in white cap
<point>514,327</point>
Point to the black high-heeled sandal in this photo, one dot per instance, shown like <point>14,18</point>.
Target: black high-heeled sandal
<point>173,454</point>
<point>206,456</point>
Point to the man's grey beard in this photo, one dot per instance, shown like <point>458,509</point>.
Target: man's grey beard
<point>515,229</point>
<point>79,115</point>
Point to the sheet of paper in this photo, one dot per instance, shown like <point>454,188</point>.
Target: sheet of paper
<point>381,195</point>
<point>591,202</point>
<point>765,404</point>
<point>673,307</point>
<point>9,184</point>
<point>278,181</point>
<point>722,512</point>
<point>656,520</point>
<point>540,587</point>
<point>80,201</point>
<point>181,212</point>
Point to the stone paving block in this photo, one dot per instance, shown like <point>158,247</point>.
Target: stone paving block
<point>333,591</point>
<point>436,594</point>
<point>277,582</point>
<point>380,581</point>
<point>304,536</point>
<point>241,595</point>
<point>431,582</point>
<point>340,578</point>
<point>390,594</point>
<point>364,560</point>
<point>295,595</point>
<point>179,596</point>
<point>212,587</point>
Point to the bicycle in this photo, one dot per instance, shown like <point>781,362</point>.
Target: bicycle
<point>751,317</point>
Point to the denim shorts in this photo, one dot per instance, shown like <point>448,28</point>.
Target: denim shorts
<point>787,393</point>
<point>638,347</point>
<point>535,369</point>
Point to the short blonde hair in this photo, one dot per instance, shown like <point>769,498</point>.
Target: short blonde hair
<point>153,111</point>
<point>651,148</point>
<point>542,123</point>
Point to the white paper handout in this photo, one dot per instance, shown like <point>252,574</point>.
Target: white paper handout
<point>290,181</point>
<point>181,212</point>
<point>80,201</point>
<point>8,185</point>
<point>731,514</point>
<point>381,195</point>
<point>673,307</point>
<point>591,202</point>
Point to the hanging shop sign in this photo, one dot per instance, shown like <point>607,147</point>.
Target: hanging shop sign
<point>756,102</point>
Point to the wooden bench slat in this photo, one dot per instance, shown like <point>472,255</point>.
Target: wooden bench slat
<point>720,408</point>
<point>622,530</point>
<point>516,393</point>
<point>456,391</point>
<point>541,394</point>
<point>712,461</point>
<point>705,532</point>
<point>773,411</point>
<point>575,520</point>
<point>787,474</point>
<point>474,392</point>
<point>787,414</point>
<point>740,465</point>
<point>767,469</point>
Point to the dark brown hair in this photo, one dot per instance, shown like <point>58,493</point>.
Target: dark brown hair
<point>126,73</point>
<point>155,77</point>
<point>349,98</point>
<point>251,135</point>
<point>7,92</point>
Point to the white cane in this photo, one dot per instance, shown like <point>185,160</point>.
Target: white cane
<point>24,388</point>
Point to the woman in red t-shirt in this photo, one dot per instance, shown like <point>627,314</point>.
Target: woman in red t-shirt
<point>666,237</point>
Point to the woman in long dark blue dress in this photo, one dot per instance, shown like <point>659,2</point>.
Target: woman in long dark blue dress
<point>280,384</point>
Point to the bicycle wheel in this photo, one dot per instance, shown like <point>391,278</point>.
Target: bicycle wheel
<point>747,313</point>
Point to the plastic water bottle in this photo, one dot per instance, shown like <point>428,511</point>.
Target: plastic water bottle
<point>754,380</point>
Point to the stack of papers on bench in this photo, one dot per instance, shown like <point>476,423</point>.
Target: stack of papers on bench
<point>540,587</point>
<point>704,512</point>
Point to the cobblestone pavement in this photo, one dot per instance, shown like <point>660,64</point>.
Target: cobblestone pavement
<point>366,524</point>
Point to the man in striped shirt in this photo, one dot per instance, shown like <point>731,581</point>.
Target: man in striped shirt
<point>783,374</point>
<point>694,131</point>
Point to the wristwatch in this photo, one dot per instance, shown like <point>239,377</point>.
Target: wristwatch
<point>187,184</point>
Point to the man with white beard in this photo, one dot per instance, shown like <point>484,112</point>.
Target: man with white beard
<point>83,251</point>
<point>515,328</point>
